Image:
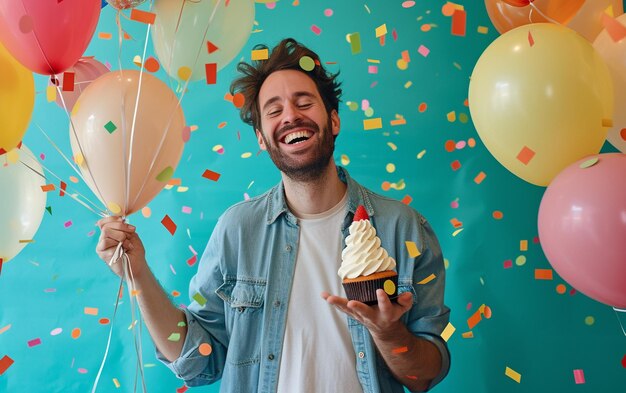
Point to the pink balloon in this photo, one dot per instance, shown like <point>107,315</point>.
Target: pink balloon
<point>582,227</point>
<point>48,37</point>
<point>86,70</point>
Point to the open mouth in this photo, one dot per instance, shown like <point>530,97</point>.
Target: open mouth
<point>297,137</point>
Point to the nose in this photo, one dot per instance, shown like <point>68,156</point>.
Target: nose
<point>291,113</point>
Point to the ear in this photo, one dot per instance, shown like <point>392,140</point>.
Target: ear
<point>335,122</point>
<point>260,140</point>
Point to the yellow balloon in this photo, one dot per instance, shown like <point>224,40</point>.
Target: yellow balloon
<point>541,98</point>
<point>17,98</point>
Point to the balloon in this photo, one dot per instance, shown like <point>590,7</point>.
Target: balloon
<point>85,71</point>
<point>506,16</point>
<point>179,30</point>
<point>614,54</point>
<point>48,37</point>
<point>588,20</point>
<point>101,140</point>
<point>23,202</point>
<point>582,227</point>
<point>124,4</point>
<point>17,98</point>
<point>539,107</point>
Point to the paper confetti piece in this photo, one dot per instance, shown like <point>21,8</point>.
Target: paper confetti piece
<point>316,30</point>
<point>239,100</point>
<point>184,73</point>
<point>110,127</point>
<point>407,199</point>
<point>422,50</point>
<point>182,389</point>
<point>616,30</point>
<point>105,36</point>
<point>381,30</point>
<point>199,299</point>
<point>142,16</point>
<point>480,177</point>
<point>169,224</point>
<point>447,332</point>
<point>5,363</point>
<point>192,261</point>
<point>75,333</point>
<point>525,155</point>
<point>372,124</point>
<point>51,93</point>
<point>116,383</point>
<point>211,73</point>
<point>68,81</point>
<point>166,174</point>
<point>469,334</point>
<point>589,163</point>
<point>205,349</point>
<point>91,310</point>
<point>211,47</point>
<point>355,43</point>
<point>174,337</point>
<point>523,245</point>
<point>579,377</point>
<point>306,63</point>
<point>186,209</point>
<point>411,247</point>
<point>427,279</point>
<point>459,19</point>
<point>399,350</point>
<point>531,40</point>
<point>34,342</point>
<point>473,320</point>
<point>114,207</point>
<point>260,54</point>
<point>208,174</point>
<point>68,224</point>
<point>482,30</point>
<point>543,274</point>
<point>7,327</point>
<point>514,375</point>
<point>151,64</point>
<point>48,187</point>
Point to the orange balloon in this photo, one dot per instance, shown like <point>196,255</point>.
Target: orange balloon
<point>505,16</point>
<point>125,165</point>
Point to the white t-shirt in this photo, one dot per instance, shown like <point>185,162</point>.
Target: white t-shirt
<point>317,355</point>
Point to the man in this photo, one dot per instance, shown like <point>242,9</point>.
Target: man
<point>257,321</point>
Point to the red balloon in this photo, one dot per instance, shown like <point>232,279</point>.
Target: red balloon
<point>48,37</point>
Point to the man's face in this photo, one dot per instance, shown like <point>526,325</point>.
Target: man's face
<point>296,130</point>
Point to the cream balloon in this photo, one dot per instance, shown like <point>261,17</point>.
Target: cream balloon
<point>179,30</point>
<point>105,143</point>
<point>614,54</point>
<point>541,98</point>
<point>23,202</point>
<point>588,20</point>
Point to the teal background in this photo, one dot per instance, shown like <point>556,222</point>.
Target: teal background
<point>534,330</point>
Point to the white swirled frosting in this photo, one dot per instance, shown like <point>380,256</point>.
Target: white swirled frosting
<point>363,254</point>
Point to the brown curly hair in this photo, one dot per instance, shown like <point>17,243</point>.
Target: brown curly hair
<point>284,56</point>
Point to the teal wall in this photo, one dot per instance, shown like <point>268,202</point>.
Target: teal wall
<point>539,333</point>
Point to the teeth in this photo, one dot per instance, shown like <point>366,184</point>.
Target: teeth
<point>296,135</point>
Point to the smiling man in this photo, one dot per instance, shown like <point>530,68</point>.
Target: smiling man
<point>262,317</point>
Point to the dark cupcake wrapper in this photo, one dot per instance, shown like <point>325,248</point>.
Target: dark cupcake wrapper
<point>365,291</point>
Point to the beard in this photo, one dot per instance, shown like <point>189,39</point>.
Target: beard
<point>304,169</point>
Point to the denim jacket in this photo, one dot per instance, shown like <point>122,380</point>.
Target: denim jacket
<point>243,283</point>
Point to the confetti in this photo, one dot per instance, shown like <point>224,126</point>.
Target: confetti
<point>316,30</point>
<point>381,30</point>
<point>110,127</point>
<point>579,377</point>
<point>105,36</point>
<point>427,279</point>
<point>372,124</point>
<point>614,28</point>
<point>208,174</point>
<point>589,163</point>
<point>199,299</point>
<point>169,224</point>
<point>211,47</point>
<point>151,64</point>
<point>34,342</point>
<point>116,383</point>
<point>91,311</point>
<point>75,333</point>
<point>184,73</point>
<point>355,43</point>
<point>68,81</point>
<point>7,327</point>
<point>174,337</point>
<point>307,63</point>
<point>142,16</point>
<point>48,188</point>
<point>531,40</point>
<point>422,50</point>
<point>473,320</point>
<point>5,363</point>
<point>459,19</point>
<point>448,331</point>
<point>411,247</point>
<point>480,177</point>
<point>399,350</point>
<point>211,73</point>
<point>514,375</point>
<point>406,199</point>
<point>205,349</point>
<point>523,245</point>
<point>166,174</point>
<point>525,155</point>
<point>260,54</point>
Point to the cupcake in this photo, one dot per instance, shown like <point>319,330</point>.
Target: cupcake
<point>366,266</point>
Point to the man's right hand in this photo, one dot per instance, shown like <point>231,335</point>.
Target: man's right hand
<point>113,231</point>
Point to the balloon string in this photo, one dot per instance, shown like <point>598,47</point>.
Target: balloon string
<point>132,129</point>
<point>169,62</point>
<point>180,99</point>
<point>106,351</point>
<point>619,320</point>
<point>98,212</point>
<point>534,7</point>
<point>80,148</point>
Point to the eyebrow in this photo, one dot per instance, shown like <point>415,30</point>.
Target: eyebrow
<point>297,94</point>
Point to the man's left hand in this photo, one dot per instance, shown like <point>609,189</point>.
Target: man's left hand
<point>378,319</point>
